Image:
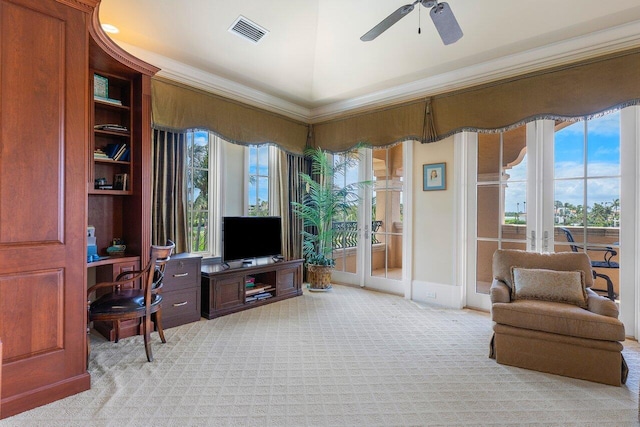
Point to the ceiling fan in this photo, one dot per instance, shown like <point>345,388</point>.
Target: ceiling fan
<point>441,14</point>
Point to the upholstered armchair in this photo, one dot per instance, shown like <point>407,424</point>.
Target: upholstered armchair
<point>547,319</point>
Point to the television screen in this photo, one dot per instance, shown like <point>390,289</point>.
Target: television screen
<point>246,237</point>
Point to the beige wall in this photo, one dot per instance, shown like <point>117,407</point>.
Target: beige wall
<point>433,217</point>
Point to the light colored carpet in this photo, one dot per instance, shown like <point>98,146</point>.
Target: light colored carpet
<point>349,357</point>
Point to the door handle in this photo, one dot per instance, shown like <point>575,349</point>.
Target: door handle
<point>533,240</point>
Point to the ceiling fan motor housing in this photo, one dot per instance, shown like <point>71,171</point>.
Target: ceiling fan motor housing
<point>428,3</point>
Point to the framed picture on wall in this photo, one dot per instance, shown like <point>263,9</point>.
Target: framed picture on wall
<point>434,177</point>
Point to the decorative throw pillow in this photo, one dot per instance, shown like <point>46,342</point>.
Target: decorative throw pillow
<point>549,285</point>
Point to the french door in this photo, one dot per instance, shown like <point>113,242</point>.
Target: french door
<point>547,186</point>
<point>370,246</point>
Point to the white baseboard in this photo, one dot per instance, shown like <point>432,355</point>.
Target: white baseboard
<point>437,293</point>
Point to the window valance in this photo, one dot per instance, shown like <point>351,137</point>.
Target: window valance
<point>176,108</point>
<point>580,89</point>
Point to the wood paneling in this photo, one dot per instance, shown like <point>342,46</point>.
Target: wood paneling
<point>39,312</point>
<point>43,168</point>
<point>40,59</point>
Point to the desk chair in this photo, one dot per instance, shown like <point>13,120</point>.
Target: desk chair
<point>133,303</point>
<point>609,253</point>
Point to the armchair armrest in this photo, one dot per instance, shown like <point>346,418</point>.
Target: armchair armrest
<point>135,275</point>
<point>601,305</point>
<point>499,292</point>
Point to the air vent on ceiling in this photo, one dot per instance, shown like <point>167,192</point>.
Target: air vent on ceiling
<point>248,30</point>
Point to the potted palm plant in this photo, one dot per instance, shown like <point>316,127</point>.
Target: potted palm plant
<point>323,202</point>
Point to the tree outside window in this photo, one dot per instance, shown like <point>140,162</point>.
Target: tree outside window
<point>198,190</point>
<point>258,181</point>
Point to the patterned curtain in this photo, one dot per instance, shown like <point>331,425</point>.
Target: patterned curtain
<point>169,198</point>
<point>291,190</point>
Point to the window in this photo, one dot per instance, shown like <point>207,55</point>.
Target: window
<point>258,181</point>
<point>203,209</point>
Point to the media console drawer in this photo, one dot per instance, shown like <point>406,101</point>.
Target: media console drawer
<point>181,290</point>
<point>226,291</point>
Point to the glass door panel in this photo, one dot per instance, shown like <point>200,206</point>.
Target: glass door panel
<point>587,192</point>
<point>386,214</point>
<point>345,224</point>
<point>501,194</point>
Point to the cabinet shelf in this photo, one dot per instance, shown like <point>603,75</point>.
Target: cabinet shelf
<point>110,161</point>
<point>109,133</point>
<point>108,105</point>
<point>110,192</point>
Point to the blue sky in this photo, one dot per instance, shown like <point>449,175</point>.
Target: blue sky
<point>603,160</point>
<point>259,164</point>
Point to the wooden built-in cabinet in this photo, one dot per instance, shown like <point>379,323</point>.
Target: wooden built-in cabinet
<point>50,50</point>
<point>44,123</point>
<point>228,290</point>
<point>118,212</point>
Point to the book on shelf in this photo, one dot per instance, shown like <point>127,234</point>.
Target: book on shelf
<point>120,152</point>
<point>258,290</point>
<point>117,152</point>
<point>100,154</point>
<point>125,155</point>
<point>100,86</point>
<point>107,100</point>
<point>111,127</point>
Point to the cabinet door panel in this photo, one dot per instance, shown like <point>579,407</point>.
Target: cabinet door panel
<point>287,278</point>
<point>228,292</point>
<point>43,164</point>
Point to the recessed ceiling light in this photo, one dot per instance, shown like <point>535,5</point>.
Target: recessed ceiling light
<point>108,28</point>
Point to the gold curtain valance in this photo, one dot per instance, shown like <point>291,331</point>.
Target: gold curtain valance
<point>575,90</point>
<point>176,107</point>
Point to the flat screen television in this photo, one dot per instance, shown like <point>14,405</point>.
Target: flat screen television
<point>245,237</point>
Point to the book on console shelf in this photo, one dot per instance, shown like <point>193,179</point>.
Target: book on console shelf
<point>259,289</point>
<point>258,297</point>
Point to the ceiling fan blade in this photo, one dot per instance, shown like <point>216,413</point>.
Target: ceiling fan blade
<point>387,22</point>
<point>446,23</point>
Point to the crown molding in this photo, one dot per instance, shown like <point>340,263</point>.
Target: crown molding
<point>197,78</point>
<point>580,48</point>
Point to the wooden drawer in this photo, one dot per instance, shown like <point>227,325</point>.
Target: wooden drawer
<point>182,273</point>
<point>180,307</point>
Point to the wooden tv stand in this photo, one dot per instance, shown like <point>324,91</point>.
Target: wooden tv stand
<point>225,290</point>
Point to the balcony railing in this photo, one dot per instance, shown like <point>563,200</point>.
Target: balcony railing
<point>346,233</point>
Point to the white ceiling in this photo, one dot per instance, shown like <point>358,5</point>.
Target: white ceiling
<point>312,64</point>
